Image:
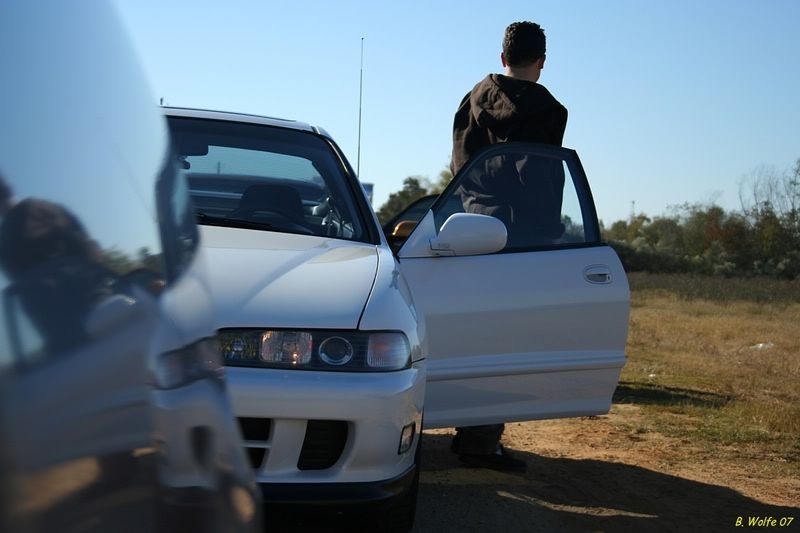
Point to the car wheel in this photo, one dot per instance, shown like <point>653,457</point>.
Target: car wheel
<point>400,517</point>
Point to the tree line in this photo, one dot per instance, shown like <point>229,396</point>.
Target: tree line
<point>761,238</point>
<point>413,187</point>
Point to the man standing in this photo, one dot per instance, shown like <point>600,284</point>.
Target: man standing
<point>501,108</point>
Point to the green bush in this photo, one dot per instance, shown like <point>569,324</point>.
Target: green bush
<point>705,239</point>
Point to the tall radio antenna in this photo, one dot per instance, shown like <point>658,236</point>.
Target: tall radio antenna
<point>360,94</point>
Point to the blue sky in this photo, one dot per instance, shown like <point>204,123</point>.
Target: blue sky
<point>669,102</point>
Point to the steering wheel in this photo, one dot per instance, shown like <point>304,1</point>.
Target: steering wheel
<point>332,220</point>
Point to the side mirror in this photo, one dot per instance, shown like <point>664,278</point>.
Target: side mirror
<point>470,234</point>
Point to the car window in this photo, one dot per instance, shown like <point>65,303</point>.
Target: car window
<point>413,212</point>
<point>539,192</point>
<point>451,205</point>
<point>266,178</point>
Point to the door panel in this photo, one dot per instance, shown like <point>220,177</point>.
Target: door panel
<point>519,336</point>
<point>535,331</point>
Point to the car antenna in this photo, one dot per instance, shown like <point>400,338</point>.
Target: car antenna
<point>360,94</point>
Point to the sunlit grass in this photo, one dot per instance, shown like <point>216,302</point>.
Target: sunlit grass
<point>724,355</point>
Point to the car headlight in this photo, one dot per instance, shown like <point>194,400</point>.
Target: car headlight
<point>351,351</point>
<point>336,351</point>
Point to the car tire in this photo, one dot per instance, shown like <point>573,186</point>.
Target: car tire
<point>400,517</point>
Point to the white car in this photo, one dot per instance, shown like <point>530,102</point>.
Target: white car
<point>113,412</point>
<point>336,346</point>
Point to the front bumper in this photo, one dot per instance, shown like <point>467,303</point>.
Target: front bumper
<point>339,494</point>
<point>374,407</point>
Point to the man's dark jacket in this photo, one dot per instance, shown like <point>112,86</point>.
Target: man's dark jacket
<point>525,193</point>
<point>504,109</point>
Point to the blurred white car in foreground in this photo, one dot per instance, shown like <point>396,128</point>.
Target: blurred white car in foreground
<point>336,346</point>
<point>113,410</point>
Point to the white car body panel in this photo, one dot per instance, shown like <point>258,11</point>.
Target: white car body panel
<point>263,278</point>
<point>391,305</point>
<point>552,348</point>
<point>243,117</point>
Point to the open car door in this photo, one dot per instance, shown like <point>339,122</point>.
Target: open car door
<point>526,319</point>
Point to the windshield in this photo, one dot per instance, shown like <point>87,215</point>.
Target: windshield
<point>265,178</point>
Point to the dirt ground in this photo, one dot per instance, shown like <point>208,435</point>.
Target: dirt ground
<point>597,474</point>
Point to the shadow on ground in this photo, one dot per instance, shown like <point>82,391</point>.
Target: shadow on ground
<point>555,494</point>
<point>560,494</point>
<point>652,394</point>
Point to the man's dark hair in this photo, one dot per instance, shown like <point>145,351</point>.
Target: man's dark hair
<point>523,43</point>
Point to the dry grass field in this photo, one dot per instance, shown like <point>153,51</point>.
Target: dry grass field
<point>721,370</point>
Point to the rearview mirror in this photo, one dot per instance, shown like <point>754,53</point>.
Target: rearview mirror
<point>191,145</point>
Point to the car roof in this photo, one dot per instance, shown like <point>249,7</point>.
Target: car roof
<point>242,117</point>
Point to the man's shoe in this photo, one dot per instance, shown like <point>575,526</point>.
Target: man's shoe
<point>454,444</point>
<point>502,461</point>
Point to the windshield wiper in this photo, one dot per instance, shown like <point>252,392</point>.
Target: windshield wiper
<point>209,220</point>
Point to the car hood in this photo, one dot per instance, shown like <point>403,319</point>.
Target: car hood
<point>268,279</point>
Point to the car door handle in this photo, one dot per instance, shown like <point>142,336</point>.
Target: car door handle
<point>597,274</point>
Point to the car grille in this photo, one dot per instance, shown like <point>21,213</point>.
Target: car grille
<point>323,442</point>
<point>256,432</point>
<point>255,428</point>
